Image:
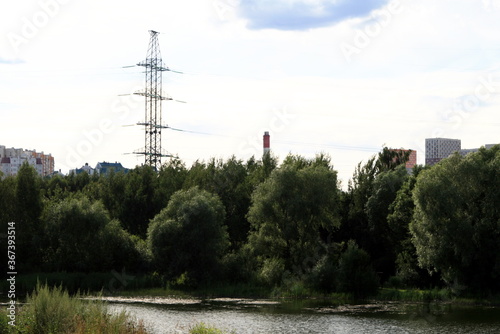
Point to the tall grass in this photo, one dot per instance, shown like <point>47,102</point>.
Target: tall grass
<point>53,311</point>
<point>203,328</point>
<point>414,295</point>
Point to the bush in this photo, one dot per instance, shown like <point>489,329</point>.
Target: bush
<point>324,275</point>
<point>272,271</point>
<point>355,274</point>
<point>54,311</point>
<point>202,328</point>
<point>4,322</point>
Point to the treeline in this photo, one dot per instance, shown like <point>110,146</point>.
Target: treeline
<point>268,224</point>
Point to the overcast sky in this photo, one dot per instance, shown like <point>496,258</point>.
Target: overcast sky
<point>341,77</point>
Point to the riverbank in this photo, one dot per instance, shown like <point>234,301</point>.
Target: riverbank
<point>261,295</point>
<point>314,316</point>
<point>122,284</point>
<point>53,310</point>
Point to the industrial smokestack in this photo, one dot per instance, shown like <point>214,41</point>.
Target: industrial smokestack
<point>267,142</point>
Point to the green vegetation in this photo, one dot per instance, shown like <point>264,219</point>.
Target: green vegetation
<point>259,228</point>
<point>456,226</point>
<point>202,328</point>
<point>187,239</point>
<point>53,311</point>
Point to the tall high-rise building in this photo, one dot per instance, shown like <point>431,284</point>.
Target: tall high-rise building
<point>437,149</point>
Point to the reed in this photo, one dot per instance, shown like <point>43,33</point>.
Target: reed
<point>53,310</point>
<point>203,328</point>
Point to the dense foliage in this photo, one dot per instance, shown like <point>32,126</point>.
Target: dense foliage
<point>264,223</point>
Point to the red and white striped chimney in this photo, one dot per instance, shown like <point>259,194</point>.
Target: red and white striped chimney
<point>267,142</point>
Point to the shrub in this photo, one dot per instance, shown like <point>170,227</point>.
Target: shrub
<point>355,274</point>
<point>272,271</point>
<point>202,328</point>
<point>4,322</point>
<point>324,274</point>
<point>54,311</point>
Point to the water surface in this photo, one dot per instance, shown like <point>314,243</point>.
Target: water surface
<point>250,316</point>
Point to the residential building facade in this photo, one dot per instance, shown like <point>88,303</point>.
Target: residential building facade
<point>104,168</point>
<point>87,169</point>
<point>436,149</point>
<point>11,160</point>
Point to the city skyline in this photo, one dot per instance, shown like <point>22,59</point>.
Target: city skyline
<point>320,76</point>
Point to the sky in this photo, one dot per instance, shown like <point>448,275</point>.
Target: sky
<point>340,77</point>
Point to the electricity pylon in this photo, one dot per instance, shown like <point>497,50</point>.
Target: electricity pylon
<point>153,95</point>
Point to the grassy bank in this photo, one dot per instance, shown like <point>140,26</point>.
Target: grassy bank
<point>54,311</point>
<point>153,285</point>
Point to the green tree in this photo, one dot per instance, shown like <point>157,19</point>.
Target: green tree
<point>81,237</point>
<point>400,215</point>
<point>456,228</point>
<point>188,238</point>
<point>56,188</point>
<point>354,219</point>
<point>227,179</point>
<point>231,186</point>
<point>141,202</point>
<point>7,201</point>
<point>171,178</point>
<point>389,159</point>
<point>355,274</point>
<point>259,170</point>
<point>292,214</point>
<point>382,242</point>
<point>7,214</point>
<point>365,205</point>
<point>29,207</point>
<point>72,229</point>
<point>113,193</point>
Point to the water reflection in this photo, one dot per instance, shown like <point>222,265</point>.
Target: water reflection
<point>245,316</point>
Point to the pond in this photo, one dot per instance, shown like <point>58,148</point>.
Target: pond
<point>163,315</point>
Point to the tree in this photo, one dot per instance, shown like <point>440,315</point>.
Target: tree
<point>7,215</point>
<point>113,193</point>
<point>292,214</point>
<point>7,201</point>
<point>365,205</point>
<point>27,217</point>
<point>389,159</point>
<point>382,242</point>
<point>81,237</point>
<point>400,215</point>
<point>355,274</point>
<point>260,170</point>
<point>171,178</point>
<point>188,237</point>
<point>234,191</point>
<point>56,187</point>
<point>456,228</point>
<point>140,203</point>
<point>227,179</point>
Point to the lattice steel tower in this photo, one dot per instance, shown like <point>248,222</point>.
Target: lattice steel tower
<point>153,96</point>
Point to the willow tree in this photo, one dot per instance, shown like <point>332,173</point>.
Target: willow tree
<point>292,214</point>
<point>456,227</point>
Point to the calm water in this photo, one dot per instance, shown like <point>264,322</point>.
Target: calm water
<point>246,316</point>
